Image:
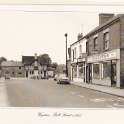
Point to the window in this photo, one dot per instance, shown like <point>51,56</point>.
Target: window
<point>32,72</point>
<point>106,40</point>
<point>87,47</point>
<point>19,67</point>
<point>81,70</point>
<point>20,73</point>
<point>80,49</point>
<point>106,70</point>
<point>95,43</point>
<point>75,53</point>
<point>96,71</point>
<point>74,72</point>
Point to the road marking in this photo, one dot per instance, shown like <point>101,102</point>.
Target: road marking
<point>81,96</point>
<point>73,93</point>
<point>3,96</point>
<point>98,100</point>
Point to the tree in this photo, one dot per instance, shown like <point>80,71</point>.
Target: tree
<point>44,59</point>
<point>2,59</point>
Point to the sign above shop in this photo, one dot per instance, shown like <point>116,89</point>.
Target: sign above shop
<point>113,54</point>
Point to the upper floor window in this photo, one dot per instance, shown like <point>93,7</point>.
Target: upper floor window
<point>87,47</point>
<point>95,43</point>
<point>75,52</point>
<point>80,49</point>
<point>106,40</point>
<point>19,67</point>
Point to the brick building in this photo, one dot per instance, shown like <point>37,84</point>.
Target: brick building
<point>12,69</point>
<point>104,59</point>
<point>105,51</point>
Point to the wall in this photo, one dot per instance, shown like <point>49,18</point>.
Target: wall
<point>114,32</point>
<point>16,71</point>
<point>122,53</point>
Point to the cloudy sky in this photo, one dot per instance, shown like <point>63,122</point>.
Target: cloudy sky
<point>29,29</point>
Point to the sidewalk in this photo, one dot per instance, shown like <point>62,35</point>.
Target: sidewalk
<point>104,89</point>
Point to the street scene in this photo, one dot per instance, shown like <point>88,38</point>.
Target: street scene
<point>47,93</point>
<point>61,59</point>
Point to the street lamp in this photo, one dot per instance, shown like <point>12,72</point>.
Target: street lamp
<point>66,55</point>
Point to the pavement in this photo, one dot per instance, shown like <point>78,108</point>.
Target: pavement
<point>47,93</point>
<point>105,89</point>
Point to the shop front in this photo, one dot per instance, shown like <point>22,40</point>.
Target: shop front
<point>78,72</point>
<point>104,68</point>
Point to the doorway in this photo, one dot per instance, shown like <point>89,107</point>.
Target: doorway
<point>26,74</point>
<point>113,74</point>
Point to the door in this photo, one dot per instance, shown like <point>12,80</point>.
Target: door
<point>113,74</point>
<point>89,73</point>
<point>26,73</point>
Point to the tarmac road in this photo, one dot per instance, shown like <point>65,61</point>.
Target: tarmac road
<point>47,93</point>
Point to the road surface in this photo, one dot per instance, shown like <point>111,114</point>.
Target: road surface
<point>47,93</point>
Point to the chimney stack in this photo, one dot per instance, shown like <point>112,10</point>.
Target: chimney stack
<point>80,35</point>
<point>104,17</point>
<point>35,56</point>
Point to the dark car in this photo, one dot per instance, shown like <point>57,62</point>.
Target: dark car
<point>63,80</point>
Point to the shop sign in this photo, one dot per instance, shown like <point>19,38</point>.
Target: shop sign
<point>114,54</point>
<point>81,59</point>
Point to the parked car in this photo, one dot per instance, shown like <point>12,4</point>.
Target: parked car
<point>63,80</point>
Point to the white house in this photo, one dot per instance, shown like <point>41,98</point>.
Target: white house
<point>78,60</point>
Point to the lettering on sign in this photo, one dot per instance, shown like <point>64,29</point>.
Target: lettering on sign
<point>104,56</point>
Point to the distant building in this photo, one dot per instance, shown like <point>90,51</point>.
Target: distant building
<point>12,68</point>
<point>33,68</point>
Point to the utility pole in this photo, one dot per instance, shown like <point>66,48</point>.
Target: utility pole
<point>66,55</point>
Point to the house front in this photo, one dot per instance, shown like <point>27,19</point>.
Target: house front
<point>105,51</point>
<point>78,60</point>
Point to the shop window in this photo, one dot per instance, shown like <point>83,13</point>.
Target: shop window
<point>106,40</point>
<point>32,72</point>
<point>19,73</point>
<point>107,70</point>
<point>81,71</point>
<point>96,71</point>
<point>75,72</point>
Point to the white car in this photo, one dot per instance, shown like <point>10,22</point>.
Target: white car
<point>62,79</point>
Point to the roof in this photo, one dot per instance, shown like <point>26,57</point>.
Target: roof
<point>11,63</point>
<point>104,24</point>
<point>78,41</point>
<point>28,60</point>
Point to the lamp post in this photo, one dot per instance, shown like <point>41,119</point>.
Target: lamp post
<point>66,55</point>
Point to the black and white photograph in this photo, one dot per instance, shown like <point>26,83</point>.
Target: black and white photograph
<point>62,55</point>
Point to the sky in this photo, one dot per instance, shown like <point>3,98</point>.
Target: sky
<point>29,29</point>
